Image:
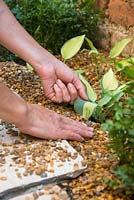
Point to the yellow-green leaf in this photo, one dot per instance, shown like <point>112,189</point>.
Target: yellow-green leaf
<point>79,71</point>
<point>88,109</point>
<point>118,48</point>
<point>72,46</point>
<point>104,100</point>
<point>90,92</point>
<point>29,67</point>
<point>93,49</point>
<point>125,63</point>
<point>78,106</point>
<point>109,81</point>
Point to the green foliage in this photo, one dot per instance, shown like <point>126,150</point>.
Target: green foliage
<point>29,67</point>
<point>92,96</point>
<point>109,81</point>
<point>126,66</point>
<point>84,108</point>
<point>52,23</point>
<point>111,92</point>
<point>121,124</point>
<point>118,48</point>
<point>71,47</point>
<point>121,132</point>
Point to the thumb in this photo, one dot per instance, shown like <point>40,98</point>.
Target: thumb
<point>80,87</point>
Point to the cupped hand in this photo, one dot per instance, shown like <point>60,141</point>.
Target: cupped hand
<point>60,83</point>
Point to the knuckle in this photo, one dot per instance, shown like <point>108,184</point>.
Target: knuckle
<point>71,135</point>
<point>74,93</point>
<point>67,100</point>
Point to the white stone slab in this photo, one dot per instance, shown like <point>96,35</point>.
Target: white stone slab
<point>71,167</point>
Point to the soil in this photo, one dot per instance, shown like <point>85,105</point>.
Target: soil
<point>101,159</point>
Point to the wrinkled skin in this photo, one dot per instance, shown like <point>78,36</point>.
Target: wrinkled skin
<point>60,84</point>
<point>47,124</point>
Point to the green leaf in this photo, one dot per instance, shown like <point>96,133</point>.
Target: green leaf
<point>84,108</point>
<point>92,52</point>
<point>78,106</point>
<point>129,71</point>
<point>79,71</point>
<point>116,97</point>
<point>29,67</point>
<point>109,81</point>
<point>118,48</point>
<point>72,46</point>
<point>88,109</point>
<point>90,92</point>
<point>122,87</point>
<point>124,63</point>
<point>104,100</point>
<point>93,49</point>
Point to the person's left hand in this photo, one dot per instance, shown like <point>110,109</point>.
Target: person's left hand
<point>60,83</point>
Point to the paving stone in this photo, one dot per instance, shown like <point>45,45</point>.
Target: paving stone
<point>26,162</point>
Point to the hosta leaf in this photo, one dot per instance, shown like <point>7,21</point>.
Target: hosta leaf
<point>84,108</point>
<point>93,49</point>
<point>88,109</point>
<point>104,100</point>
<point>90,92</point>
<point>78,106</point>
<point>79,71</point>
<point>117,94</point>
<point>29,67</point>
<point>125,63</point>
<point>109,81</point>
<point>118,48</point>
<point>121,87</point>
<point>72,46</point>
<point>116,97</point>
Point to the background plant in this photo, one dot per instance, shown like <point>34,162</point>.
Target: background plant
<point>121,125</point>
<point>121,132</point>
<point>51,23</point>
<point>111,91</point>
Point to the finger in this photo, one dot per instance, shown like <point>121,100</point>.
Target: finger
<point>73,136</point>
<point>65,94</point>
<point>80,87</point>
<point>73,92</point>
<point>80,128</point>
<point>84,131</point>
<point>58,94</point>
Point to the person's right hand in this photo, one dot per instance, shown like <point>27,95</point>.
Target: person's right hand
<point>43,123</point>
<point>60,83</point>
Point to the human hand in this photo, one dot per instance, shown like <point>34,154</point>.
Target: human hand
<point>43,123</point>
<point>60,83</point>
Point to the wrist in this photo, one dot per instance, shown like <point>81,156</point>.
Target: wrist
<point>13,108</point>
<point>20,115</point>
<point>43,61</point>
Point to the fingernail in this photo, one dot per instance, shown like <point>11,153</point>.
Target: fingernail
<point>59,81</point>
<point>91,129</point>
<point>82,139</point>
<point>69,85</point>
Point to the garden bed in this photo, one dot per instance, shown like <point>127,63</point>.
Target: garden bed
<point>100,159</point>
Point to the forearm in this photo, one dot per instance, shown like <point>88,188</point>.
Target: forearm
<point>12,107</point>
<point>14,37</point>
